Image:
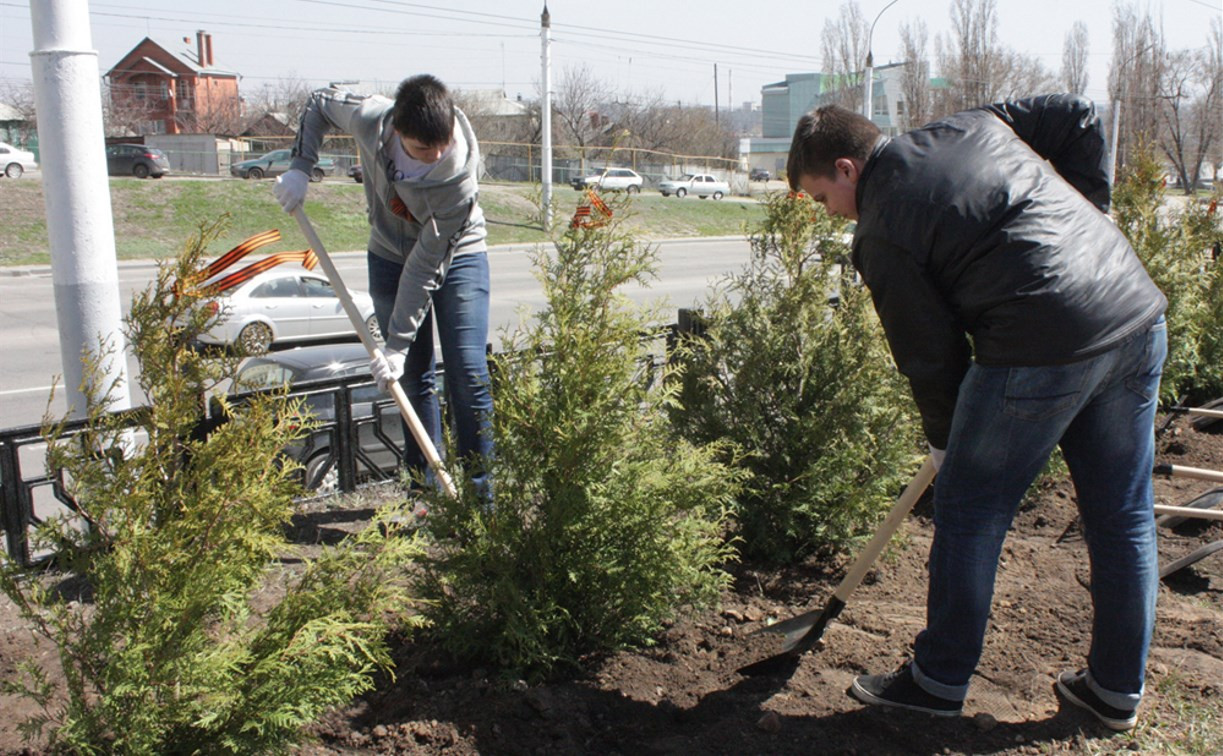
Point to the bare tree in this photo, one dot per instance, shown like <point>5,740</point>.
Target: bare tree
<point>576,105</point>
<point>286,97</point>
<point>843,45</point>
<point>1019,75</point>
<point>974,53</point>
<point>915,82</point>
<point>124,116</point>
<point>19,95</point>
<point>1074,59</point>
<point>1189,108</point>
<point>1135,76</point>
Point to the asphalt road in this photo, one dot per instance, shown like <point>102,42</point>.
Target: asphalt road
<point>29,334</point>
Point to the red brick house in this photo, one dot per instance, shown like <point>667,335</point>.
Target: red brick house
<point>155,89</point>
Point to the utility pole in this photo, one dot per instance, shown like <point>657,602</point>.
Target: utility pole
<point>545,117</point>
<point>715,93</point>
<point>80,228</point>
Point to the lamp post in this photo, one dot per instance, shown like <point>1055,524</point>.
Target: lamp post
<point>868,93</point>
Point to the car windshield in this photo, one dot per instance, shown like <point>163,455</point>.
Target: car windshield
<point>686,177</point>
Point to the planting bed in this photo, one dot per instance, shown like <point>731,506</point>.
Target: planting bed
<point>683,696</point>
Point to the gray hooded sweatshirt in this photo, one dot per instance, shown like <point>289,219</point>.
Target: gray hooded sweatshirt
<point>443,216</point>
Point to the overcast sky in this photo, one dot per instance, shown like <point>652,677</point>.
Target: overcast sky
<point>635,46</point>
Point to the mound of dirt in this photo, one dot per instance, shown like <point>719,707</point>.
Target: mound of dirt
<point>683,696</point>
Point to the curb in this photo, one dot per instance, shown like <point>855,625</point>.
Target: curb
<point>18,271</point>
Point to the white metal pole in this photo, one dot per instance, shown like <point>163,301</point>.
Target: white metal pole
<point>545,118</point>
<point>1112,148</point>
<point>84,270</point>
<point>868,86</point>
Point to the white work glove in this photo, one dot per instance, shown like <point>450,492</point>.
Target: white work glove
<point>936,455</point>
<point>387,369</point>
<point>290,189</point>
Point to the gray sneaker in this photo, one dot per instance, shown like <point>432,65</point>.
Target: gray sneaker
<point>1074,688</point>
<point>900,690</point>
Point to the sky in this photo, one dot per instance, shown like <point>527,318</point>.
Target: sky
<point>636,47</point>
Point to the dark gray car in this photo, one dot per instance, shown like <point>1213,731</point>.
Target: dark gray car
<point>379,441</point>
<point>136,160</point>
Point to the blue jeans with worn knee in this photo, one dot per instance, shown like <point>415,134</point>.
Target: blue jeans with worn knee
<point>1101,411</point>
<point>460,309</point>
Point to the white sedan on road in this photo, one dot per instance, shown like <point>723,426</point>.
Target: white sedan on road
<point>14,162</point>
<point>285,305</point>
<point>701,184</point>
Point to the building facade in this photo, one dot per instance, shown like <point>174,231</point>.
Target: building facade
<point>173,89</point>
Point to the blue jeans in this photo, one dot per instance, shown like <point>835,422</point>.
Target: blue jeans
<point>1101,411</point>
<point>460,308</point>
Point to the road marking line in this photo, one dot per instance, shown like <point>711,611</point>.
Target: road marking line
<point>25,390</point>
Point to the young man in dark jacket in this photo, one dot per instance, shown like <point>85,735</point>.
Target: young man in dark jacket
<point>992,224</point>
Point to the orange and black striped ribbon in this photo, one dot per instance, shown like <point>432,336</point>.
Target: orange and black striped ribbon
<point>306,257</point>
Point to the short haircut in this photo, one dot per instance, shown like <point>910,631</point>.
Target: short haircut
<point>424,110</point>
<point>822,137</point>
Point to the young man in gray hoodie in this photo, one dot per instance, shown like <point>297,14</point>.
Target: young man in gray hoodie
<point>427,253</point>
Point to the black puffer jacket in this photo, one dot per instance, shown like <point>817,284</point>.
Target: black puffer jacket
<point>965,229</point>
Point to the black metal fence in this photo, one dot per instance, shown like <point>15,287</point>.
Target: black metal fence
<point>355,438</point>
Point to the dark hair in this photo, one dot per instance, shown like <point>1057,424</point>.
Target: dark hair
<point>423,110</point>
<point>824,135</point>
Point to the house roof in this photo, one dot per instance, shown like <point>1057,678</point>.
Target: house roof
<point>175,56</point>
<point>10,113</point>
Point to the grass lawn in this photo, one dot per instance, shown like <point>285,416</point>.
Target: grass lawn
<point>154,217</point>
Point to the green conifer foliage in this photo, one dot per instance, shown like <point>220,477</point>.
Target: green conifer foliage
<point>603,526</point>
<point>189,638</point>
<point>805,390</point>
<point>1177,241</point>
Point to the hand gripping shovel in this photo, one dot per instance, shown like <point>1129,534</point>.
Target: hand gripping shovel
<point>805,630</point>
<point>401,399</point>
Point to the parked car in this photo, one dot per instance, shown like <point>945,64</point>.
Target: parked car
<point>136,160</point>
<point>15,162</point>
<point>612,179</point>
<point>378,441</point>
<point>759,174</point>
<point>284,306</point>
<point>701,184</point>
<point>277,162</point>
<point>357,173</point>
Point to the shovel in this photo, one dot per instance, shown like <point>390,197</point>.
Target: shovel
<point>804,631</point>
<point>401,399</point>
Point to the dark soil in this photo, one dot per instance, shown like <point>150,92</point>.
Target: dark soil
<point>683,696</point>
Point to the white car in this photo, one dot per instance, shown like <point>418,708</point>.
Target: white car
<point>282,306</point>
<point>14,162</point>
<point>612,179</point>
<point>701,184</point>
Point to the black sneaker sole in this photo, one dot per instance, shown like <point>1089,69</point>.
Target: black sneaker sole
<point>865,696</point>
<point>1112,723</point>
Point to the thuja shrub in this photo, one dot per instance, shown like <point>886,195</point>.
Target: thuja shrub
<point>1178,243</point>
<point>602,527</point>
<point>188,639</point>
<point>802,387</point>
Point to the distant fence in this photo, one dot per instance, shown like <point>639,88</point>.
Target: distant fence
<point>502,161</point>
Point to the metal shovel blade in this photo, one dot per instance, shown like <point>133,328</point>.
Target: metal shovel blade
<point>805,630</point>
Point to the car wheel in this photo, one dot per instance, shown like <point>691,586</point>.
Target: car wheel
<point>255,173</point>
<point>255,338</point>
<point>316,175</point>
<point>680,192</point>
<point>717,195</point>
<point>14,170</point>
<point>322,479</point>
<point>140,171</point>
<point>371,325</point>
<point>633,189</point>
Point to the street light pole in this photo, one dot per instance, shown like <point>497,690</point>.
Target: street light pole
<point>868,87</point>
